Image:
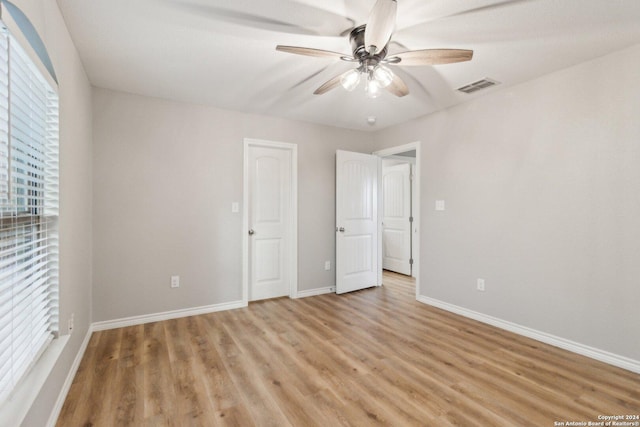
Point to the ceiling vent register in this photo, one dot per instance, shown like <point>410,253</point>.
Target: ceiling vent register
<point>479,85</point>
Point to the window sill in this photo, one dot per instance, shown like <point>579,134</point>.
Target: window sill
<point>13,411</point>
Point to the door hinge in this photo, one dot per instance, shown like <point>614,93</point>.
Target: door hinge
<point>410,261</point>
<point>410,219</point>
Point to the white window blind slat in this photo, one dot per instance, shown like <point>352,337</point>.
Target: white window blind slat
<point>5,372</point>
<point>26,241</point>
<point>5,355</point>
<point>4,121</point>
<point>20,250</point>
<point>28,213</point>
<point>24,274</point>
<point>5,331</point>
<point>26,251</point>
<point>27,297</point>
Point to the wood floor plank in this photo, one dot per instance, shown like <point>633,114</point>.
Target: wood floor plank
<point>190,395</point>
<point>82,383</point>
<point>251,375</point>
<point>159,396</point>
<point>210,369</point>
<point>367,358</point>
<point>95,408</point>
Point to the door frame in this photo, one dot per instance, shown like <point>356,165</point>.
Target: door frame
<point>387,152</point>
<point>292,256</point>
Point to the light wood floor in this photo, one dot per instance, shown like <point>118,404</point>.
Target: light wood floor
<point>373,357</point>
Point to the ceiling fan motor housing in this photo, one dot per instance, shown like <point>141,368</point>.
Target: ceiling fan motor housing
<point>356,37</point>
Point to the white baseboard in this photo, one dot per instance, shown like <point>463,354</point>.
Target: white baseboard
<point>156,317</point>
<point>584,350</point>
<point>55,412</point>
<point>314,292</point>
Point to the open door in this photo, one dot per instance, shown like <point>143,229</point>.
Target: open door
<point>356,221</point>
<point>396,218</point>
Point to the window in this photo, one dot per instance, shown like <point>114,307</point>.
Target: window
<point>28,213</point>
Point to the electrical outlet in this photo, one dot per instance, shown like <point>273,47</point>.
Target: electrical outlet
<point>175,281</point>
<point>70,323</point>
<point>327,265</point>
<point>480,285</point>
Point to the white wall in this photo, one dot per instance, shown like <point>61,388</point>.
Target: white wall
<point>542,190</point>
<point>75,194</point>
<point>165,175</point>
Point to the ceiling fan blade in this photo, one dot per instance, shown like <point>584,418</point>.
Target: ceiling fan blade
<point>398,87</point>
<point>498,5</point>
<point>430,57</point>
<point>331,84</point>
<point>380,25</point>
<point>416,27</point>
<point>318,53</point>
<point>296,18</point>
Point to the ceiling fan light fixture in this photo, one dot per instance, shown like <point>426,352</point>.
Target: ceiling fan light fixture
<point>373,88</point>
<point>350,80</point>
<point>383,75</point>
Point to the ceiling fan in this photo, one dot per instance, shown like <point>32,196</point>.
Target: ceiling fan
<point>369,44</point>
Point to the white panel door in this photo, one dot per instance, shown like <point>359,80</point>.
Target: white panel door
<point>269,213</point>
<point>396,213</point>
<point>356,221</point>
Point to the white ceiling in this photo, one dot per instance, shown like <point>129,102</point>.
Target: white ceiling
<point>222,52</point>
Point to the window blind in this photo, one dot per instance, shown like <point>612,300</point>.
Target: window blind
<point>28,213</point>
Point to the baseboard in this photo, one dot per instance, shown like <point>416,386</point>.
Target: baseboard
<point>55,412</point>
<point>157,317</point>
<point>315,292</point>
<point>584,350</point>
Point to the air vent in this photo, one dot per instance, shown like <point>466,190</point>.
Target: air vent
<point>479,85</point>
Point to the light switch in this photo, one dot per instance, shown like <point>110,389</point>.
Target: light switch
<point>235,207</point>
<point>439,205</point>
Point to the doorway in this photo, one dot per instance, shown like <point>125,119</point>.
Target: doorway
<point>397,216</point>
<point>270,261</point>
<point>399,233</point>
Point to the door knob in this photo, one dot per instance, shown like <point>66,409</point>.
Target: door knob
<point>251,232</point>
